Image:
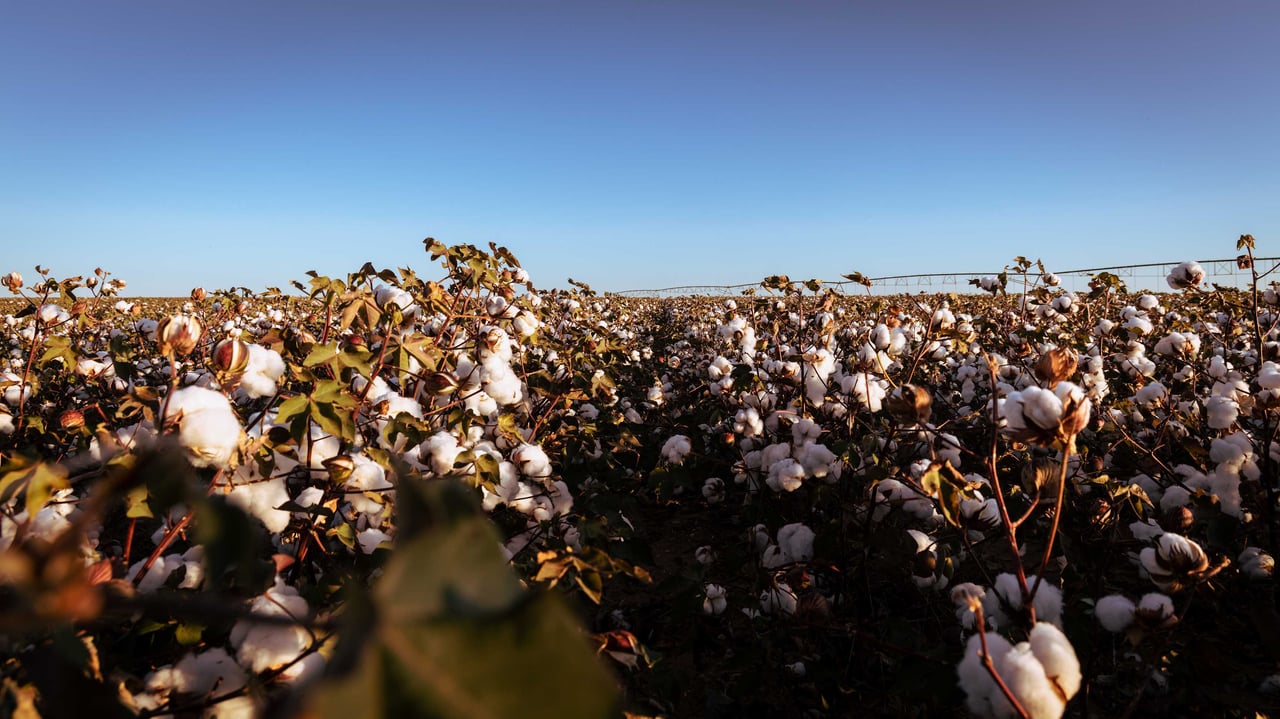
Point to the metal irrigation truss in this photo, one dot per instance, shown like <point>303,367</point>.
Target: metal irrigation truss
<point>1222,272</point>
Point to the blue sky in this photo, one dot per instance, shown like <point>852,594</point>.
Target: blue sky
<point>632,144</point>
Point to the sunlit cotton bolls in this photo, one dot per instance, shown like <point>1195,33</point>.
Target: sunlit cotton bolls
<point>207,426</point>
<point>1187,274</point>
<point>1042,673</point>
<point>265,368</point>
<point>367,476</point>
<point>532,461</point>
<point>211,673</point>
<point>1221,412</point>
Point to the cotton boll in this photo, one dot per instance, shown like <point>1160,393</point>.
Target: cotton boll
<point>713,490</point>
<point>1048,604</point>
<point>865,389</point>
<point>371,538</point>
<point>1221,412</point>
<point>389,298</point>
<point>157,575</point>
<point>259,497</point>
<point>1256,563</point>
<point>1026,678</point>
<point>1147,529</point>
<point>778,599</point>
<point>747,423</point>
<point>1156,609</point>
<point>440,452</point>
<point>1185,275</point>
<point>676,448</point>
<point>805,431</point>
<point>1150,394</point>
<point>961,594</point>
<point>367,476</point>
<point>265,368</point>
<point>201,673</point>
<point>1114,612</point>
<point>785,475</point>
<point>207,426</point>
<point>818,461</point>
<point>532,461</point>
<point>262,647</point>
<point>796,542</point>
<point>983,696</point>
<point>714,601</point>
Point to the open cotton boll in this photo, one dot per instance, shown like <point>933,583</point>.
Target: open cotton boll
<point>719,368</point>
<point>532,461</point>
<point>714,601</point>
<point>1156,609</point>
<point>501,383</point>
<point>747,423</point>
<point>157,575</point>
<point>786,475</point>
<point>796,542</point>
<point>1026,679</point>
<point>1221,412</point>
<point>960,596</point>
<point>367,476</point>
<point>867,390</point>
<point>983,697</point>
<point>818,461</point>
<point>1056,655</point>
<point>1185,275</point>
<point>778,599</point>
<point>676,448</point>
<point>262,647</point>
<point>371,538</point>
<point>265,368</point>
<point>1256,563</point>
<point>713,490</point>
<point>388,298</point>
<point>259,497</point>
<point>15,392</point>
<point>1114,612</point>
<point>207,426</point>
<point>1150,394</point>
<point>201,673</point>
<point>440,452</point>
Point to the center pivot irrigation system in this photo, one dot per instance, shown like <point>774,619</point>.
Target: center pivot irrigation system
<point>1150,275</point>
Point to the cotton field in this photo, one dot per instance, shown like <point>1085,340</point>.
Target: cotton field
<point>447,491</point>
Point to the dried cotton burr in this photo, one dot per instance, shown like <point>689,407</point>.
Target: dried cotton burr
<point>178,334</point>
<point>910,404</point>
<point>1056,365</point>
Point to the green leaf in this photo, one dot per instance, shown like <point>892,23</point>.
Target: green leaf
<point>321,354</point>
<point>136,501</point>
<point>944,484</point>
<point>291,408</point>
<point>189,634</point>
<point>451,617</point>
<point>237,547</point>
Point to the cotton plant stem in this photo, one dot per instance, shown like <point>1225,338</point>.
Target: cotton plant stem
<point>1057,518</point>
<point>1009,527</point>
<point>990,666</point>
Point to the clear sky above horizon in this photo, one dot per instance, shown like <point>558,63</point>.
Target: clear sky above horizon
<point>632,144</point>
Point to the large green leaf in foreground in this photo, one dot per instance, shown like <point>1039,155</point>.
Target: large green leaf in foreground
<point>454,634</point>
